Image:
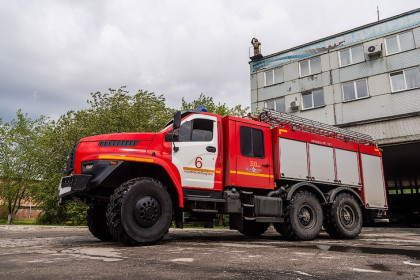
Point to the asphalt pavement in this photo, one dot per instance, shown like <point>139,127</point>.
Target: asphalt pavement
<point>48,252</point>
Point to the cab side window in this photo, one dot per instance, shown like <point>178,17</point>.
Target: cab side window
<point>202,130</point>
<point>194,130</point>
<point>252,142</point>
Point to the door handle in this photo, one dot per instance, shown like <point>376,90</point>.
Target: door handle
<point>264,165</point>
<point>211,149</point>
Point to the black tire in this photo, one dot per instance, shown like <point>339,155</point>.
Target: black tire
<point>140,212</point>
<point>344,218</point>
<point>254,229</point>
<point>302,217</point>
<point>96,221</point>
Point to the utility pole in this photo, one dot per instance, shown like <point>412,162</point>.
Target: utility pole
<point>377,10</point>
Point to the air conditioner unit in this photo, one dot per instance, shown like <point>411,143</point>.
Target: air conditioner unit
<point>374,50</point>
<point>294,105</point>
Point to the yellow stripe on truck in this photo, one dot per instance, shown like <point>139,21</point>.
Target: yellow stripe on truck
<point>251,174</point>
<point>201,170</point>
<point>106,157</point>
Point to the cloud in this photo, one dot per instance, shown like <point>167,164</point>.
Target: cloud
<point>54,53</point>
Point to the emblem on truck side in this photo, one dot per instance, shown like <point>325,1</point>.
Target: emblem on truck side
<point>253,167</point>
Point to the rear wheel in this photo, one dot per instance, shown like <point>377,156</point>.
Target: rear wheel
<point>252,228</point>
<point>303,217</point>
<point>96,221</point>
<point>140,212</point>
<point>344,217</point>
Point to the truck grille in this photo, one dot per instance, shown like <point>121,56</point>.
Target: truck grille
<point>71,159</point>
<point>118,143</point>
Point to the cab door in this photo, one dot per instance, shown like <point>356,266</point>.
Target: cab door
<point>196,151</point>
<point>254,156</point>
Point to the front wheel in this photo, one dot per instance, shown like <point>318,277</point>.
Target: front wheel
<point>303,217</point>
<point>344,218</point>
<point>140,212</point>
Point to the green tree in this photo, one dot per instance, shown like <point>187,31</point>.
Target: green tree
<point>219,108</point>
<point>18,173</point>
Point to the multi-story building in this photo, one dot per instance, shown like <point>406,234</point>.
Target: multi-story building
<point>366,79</point>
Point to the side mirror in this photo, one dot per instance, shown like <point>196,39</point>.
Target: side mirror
<point>177,120</point>
<point>176,126</point>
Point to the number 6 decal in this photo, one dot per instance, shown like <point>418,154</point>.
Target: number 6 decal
<point>198,162</point>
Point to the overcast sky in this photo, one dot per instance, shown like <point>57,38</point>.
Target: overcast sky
<point>53,54</point>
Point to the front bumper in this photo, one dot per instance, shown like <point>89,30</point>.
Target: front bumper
<point>73,184</point>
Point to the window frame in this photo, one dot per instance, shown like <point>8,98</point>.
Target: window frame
<point>312,99</point>
<point>168,136</point>
<point>355,90</point>
<point>271,72</point>
<point>275,104</point>
<point>309,66</point>
<point>351,55</point>
<point>405,79</point>
<point>273,76</point>
<point>399,42</point>
<point>251,141</point>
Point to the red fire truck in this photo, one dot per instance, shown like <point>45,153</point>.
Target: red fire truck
<point>279,169</point>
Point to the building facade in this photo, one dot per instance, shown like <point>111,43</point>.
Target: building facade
<point>367,80</point>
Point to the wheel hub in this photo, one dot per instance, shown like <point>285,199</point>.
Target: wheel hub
<point>347,215</point>
<point>305,216</point>
<point>147,211</point>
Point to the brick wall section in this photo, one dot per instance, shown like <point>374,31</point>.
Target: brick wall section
<point>26,213</point>
<point>27,210</point>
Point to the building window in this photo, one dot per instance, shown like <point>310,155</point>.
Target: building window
<point>278,105</point>
<point>313,99</point>
<point>355,90</point>
<point>310,66</point>
<point>399,42</point>
<point>405,79</point>
<point>252,142</point>
<point>352,56</point>
<point>274,76</point>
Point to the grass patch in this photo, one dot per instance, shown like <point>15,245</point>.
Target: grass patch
<point>19,222</point>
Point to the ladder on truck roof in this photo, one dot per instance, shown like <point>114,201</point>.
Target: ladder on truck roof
<point>275,118</point>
